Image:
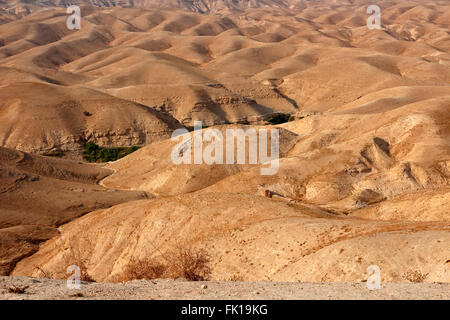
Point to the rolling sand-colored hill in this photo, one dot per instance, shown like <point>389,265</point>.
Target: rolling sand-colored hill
<point>249,237</point>
<point>207,6</point>
<point>38,194</point>
<point>160,176</point>
<point>338,170</point>
<point>64,119</point>
<point>222,68</point>
<point>364,168</point>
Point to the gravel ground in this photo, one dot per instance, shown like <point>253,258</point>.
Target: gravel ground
<point>169,289</point>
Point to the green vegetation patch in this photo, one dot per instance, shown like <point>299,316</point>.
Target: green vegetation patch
<point>56,153</point>
<point>94,153</point>
<point>278,118</point>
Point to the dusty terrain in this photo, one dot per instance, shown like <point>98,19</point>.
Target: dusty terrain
<point>213,290</point>
<point>364,168</point>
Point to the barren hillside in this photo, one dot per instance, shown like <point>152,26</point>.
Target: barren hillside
<point>155,68</point>
<point>39,194</point>
<point>364,163</point>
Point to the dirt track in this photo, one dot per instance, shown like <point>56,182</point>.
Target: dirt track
<point>166,289</point>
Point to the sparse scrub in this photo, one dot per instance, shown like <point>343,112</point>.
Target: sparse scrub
<point>189,264</point>
<point>236,278</point>
<point>84,274</point>
<point>415,276</point>
<point>17,290</point>
<point>47,274</point>
<point>77,295</point>
<point>143,270</point>
<point>182,263</point>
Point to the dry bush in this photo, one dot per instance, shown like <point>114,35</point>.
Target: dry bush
<point>180,263</point>
<point>84,274</point>
<point>188,263</point>
<point>75,257</point>
<point>236,278</point>
<point>17,290</point>
<point>47,274</point>
<point>142,269</point>
<point>12,288</point>
<point>415,276</point>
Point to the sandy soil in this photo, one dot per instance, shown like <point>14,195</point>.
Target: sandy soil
<point>166,289</point>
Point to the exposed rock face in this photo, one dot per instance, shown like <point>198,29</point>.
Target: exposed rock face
<point>39,118</point>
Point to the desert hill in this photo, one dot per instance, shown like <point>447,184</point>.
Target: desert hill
<point>346,160</point>
<point>64,119</point>
<point>221,68</point>
<point>160,176</point>
<point>38,194</point>
<point>208,6</point>
<point>330,177</point>
<point>349,160</point>
<point>248,238</point>
<point>364,168</point>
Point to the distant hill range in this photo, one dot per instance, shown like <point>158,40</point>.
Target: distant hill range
<point>200,6</point>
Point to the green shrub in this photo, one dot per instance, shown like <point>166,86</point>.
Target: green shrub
<point>192,128</point>
<point>278,118</point>
<point>57,153</point>
<point>94,153</point>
